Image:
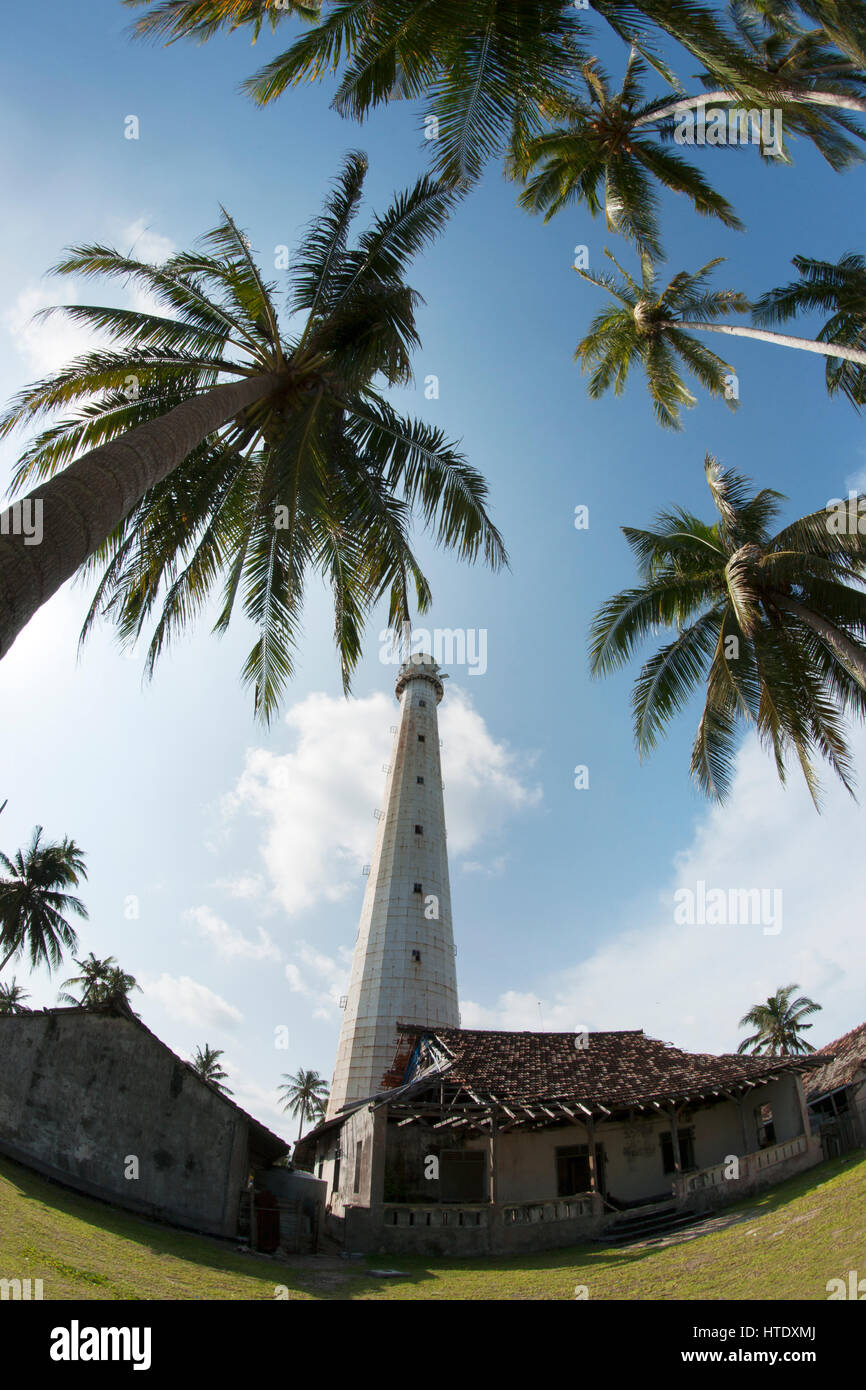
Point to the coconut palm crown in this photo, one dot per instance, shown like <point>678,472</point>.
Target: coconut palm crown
<point>34,902</point>
<point>779,1024</point>
<point>310,468</point>
<point>12,998</point>
<point>207,1065</point>
<point>772,627</point>
<point>837,288</point>
<point>817,85</point>
<point>100,981</point>
<point>647,325</point>
<point>304,1095</point>
<point>607,156</point>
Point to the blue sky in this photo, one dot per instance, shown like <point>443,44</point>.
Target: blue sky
<point>243,847</point>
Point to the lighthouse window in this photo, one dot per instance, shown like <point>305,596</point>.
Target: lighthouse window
<point>417,888</point>
<point>421,738</point>
<point>419,830</point>
<point>420,781</point>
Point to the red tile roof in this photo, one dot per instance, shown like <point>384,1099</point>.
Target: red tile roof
<point>845,1057</point>
<point>614,1069</point>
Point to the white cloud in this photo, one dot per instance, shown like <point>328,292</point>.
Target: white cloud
<point>140,241</point>
<point>317,802</point>
<point>856,482</point>
<point>47,344</point>
<point>691,984</point>
<point>495,869</point>
<point>186,999</point>
<point>329,978</point>
<point>258,1101</point>
<point>144,244</point>
<point>244,886</point>
<point>484,780</point>
<point>229,943</point>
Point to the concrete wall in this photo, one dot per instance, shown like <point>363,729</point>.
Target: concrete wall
<point>365,1127</point>
<point>494,1236</point>
<point>405,1161</point>
<point>82,1092</point>
<point>857,1104</point>
<point>753,1179</point>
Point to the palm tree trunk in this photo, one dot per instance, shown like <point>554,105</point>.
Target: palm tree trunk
<point>82,505</point>
<point>849,653</point>
<point>763,335</point>
<point>789,94</point>
<point>6,959</point>
<point>301,1124</point>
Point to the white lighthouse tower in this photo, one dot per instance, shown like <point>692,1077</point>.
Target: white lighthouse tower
<point>403,968</point>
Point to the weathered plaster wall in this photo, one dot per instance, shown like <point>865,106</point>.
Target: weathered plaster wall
<point>857,1102</point>
<point>82,1092</point>
<point>754,1179</point>
<point>365,1127</point>
<point>782,1097</point>
<point>405,1161</point>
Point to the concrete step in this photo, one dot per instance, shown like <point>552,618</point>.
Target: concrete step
<point>633,1232</point>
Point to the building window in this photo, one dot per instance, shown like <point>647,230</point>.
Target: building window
<point>321,1167</point>
<point>765,1127</point>
<point>419,830</point>
<point>359,1154</point>
<point>416,956</point>
<point>423,704</point>
<point>417,888</point>
<point>687,1151</point>
<point>420,781</point>
<point>421,738</point>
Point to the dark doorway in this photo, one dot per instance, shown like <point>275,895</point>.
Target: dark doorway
<point>572,1169</point>
<point>687,1151</point>
<point>461,1175</point>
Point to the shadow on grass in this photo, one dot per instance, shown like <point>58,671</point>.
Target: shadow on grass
<point>354,1280</point>
<point>163,1240</point>
<point>574,1258</point>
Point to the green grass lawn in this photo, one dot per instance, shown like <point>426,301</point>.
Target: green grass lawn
<point>796,1237</point>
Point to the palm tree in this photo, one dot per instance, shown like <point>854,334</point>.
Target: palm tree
<point>12,998</point>
<point>305,1095</point>
<point>101,982</point>
<point>836,288</point>
<point>647,325</point>
<point>778,1025</point>
<point>34,904</point>
<point>600,158</point>
<point>807,74</point>
<point>772,626</point>
<point>298,463</point>
<point>491,72</point>
<point>206,1064</point>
